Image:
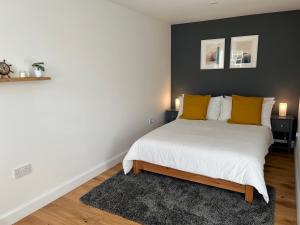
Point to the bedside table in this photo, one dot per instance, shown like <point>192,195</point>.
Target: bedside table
<point>171,115</point>
<point>282,128</point>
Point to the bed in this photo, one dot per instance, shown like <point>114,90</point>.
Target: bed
<point>210,152</point>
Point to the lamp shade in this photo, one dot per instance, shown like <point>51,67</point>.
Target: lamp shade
<point>282,108</point>
<point>177,103</point>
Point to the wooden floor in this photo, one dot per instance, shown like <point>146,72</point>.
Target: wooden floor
<point>67,210</point>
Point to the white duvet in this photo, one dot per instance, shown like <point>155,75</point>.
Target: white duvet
<point>211,148</point>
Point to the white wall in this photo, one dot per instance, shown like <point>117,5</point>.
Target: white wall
<point>111,73</point>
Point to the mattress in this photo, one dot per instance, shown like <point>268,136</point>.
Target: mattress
<point>211,148</point>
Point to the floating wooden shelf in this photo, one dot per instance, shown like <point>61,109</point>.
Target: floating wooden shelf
<point>17,79</point>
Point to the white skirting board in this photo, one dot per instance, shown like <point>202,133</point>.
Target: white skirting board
<point>39,202</point>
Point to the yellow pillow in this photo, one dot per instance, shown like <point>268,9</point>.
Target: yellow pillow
<point>195,107</point>
<point>246,110</point>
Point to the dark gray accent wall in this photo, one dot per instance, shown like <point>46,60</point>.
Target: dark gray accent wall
<point>278,66</point>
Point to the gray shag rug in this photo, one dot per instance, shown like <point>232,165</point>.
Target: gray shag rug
<point>153,199</point>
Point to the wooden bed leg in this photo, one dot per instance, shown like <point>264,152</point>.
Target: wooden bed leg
<point>248,193</point>
<point>136,167</point>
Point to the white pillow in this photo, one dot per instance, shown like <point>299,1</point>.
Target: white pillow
<point>269,99</point>
<point>267,106</point>
<point>213,110</point>
<point>226,105</point>
<point>180,110</point>
<point>266,112</point>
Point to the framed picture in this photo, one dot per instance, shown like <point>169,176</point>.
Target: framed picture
<point>243,52</point>
<point>212,54</point>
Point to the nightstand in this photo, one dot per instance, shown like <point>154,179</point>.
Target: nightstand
<point>282,128</point>
<point>171,115</point>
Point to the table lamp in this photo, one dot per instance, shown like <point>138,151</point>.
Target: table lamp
<point>282,108</point>
<point>177,103</point>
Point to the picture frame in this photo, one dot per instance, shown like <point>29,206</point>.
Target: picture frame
<point>212,54</point>
<point>243,51</point>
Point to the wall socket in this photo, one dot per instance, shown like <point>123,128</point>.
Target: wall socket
<point>22,171</point>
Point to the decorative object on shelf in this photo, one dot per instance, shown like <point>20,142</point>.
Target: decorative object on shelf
<point>5,69</point>
<point>38,69</point>
<point>243,52</point>
<point>282,108</point>
<point>177,103</point>
<point>212,54</point>
<point>23,74</point>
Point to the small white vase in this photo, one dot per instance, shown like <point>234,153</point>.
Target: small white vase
<point>38,73</point>
<point>22,74</point>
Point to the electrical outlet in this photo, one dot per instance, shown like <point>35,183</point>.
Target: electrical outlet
<point>151,121</point>
<point>22,171</point>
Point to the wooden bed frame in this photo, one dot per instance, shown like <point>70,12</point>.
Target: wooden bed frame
<point>138,166</point>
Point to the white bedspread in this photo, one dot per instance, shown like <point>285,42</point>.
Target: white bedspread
<point>211,148</point>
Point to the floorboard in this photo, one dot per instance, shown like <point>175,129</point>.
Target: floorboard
<point>68,210</point>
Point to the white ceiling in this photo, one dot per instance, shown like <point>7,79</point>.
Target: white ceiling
<point>182,11</point>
